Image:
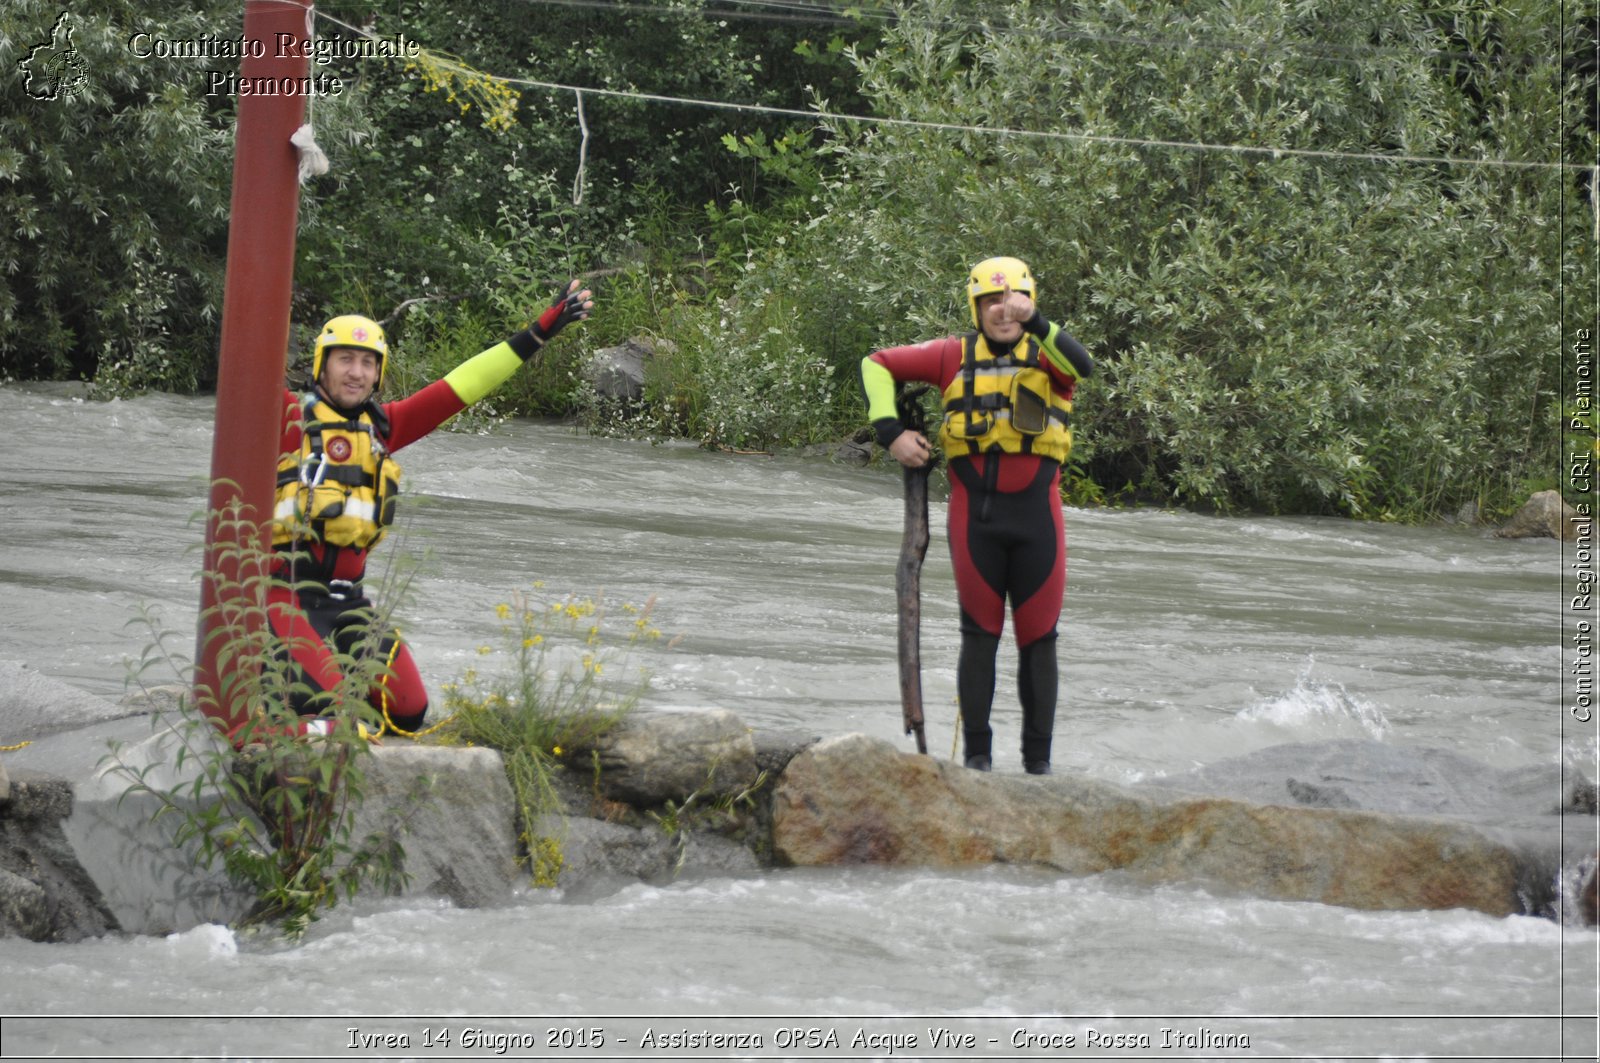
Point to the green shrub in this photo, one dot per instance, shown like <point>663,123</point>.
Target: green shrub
<point>565,687</point>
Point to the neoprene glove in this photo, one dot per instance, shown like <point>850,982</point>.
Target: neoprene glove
<point>568,307</point>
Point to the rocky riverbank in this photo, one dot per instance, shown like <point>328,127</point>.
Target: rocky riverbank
<point>674,794</point>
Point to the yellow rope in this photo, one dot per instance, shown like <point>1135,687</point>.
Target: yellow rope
<point>389,726</point>
<point>13,749</point>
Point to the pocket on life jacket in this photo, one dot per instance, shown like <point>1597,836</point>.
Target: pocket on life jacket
<point>324,501</point>
<point>387,491</point>
<point>960,425</point>
<point>1030,401</point>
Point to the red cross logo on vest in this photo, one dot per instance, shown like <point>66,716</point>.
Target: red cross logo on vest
<point>339,448</point>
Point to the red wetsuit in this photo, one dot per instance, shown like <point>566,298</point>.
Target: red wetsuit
<point>1007,543</point>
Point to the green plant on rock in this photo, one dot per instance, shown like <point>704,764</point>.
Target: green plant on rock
<point>566,686</point>
<point>276,809</point>
<point>705,809</point>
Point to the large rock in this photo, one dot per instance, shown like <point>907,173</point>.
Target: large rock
<point>44,893</point>
<point>452,811</point>
<point>1544,515</point>
<point>1544,814</point>
<point>597,856</point>
<point>856,800</point>
<point>618,373</point>
<point>126,837</point>
<point>654,758</point>
<point>34,705</point>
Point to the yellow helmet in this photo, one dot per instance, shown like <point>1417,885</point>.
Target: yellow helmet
<point>351,330</point>
<point>996,275</point>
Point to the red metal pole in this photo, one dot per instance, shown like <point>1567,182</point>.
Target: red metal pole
<point>255,339</point>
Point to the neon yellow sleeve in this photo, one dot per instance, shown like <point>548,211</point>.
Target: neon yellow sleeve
<point>483,372</point>
<point>877,383</point>
<point>1066,353</point>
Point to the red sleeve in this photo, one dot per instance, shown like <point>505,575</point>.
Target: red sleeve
<point>289,440</point>
<point>932,362</point>
<point>416,415</point>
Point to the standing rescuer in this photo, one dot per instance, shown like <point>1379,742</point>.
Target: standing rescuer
<point>1007,391</point>
<point>336,494</point>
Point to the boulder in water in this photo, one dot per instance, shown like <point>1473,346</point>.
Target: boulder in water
<point>856,799</point>
<point>1544,515</point>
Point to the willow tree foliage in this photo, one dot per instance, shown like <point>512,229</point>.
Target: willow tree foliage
<point>114,191</point>
<point>1347,325</point>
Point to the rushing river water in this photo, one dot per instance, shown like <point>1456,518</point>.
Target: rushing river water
<point>1185,639</point>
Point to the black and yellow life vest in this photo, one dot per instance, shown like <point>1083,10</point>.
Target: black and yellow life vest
<point>341,488</point>
<point>1005,403</point>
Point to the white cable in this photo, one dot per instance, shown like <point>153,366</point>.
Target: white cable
<point>1093,138</point>
<point>583,151</point>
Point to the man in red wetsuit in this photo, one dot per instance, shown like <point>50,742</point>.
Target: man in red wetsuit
<point>1007,390</point>
<point>337,486</point>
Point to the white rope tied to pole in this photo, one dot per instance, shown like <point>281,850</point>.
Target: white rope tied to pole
<point>313,161</point>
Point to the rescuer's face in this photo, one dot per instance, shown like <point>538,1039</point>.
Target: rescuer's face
<point>349,376</point>
<point>997,313</point>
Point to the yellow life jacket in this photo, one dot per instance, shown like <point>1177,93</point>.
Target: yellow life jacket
<point>342,486</point>
<point>1005,403</point>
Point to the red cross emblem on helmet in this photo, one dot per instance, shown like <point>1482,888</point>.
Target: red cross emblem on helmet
<point>998,279</point>
<point>360,334</point>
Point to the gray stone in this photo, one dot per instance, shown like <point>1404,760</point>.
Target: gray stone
<point>24,908</point>
<point>598,856</point>
<point>44,893</point>
<point>1319,796</point>
<point>125,836</point>
<point>34,705</point>
<point>452,811</point>
<point>852,453</point>
<point>618,373</point>
<point>658,757</point>
<point>775,749</point>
